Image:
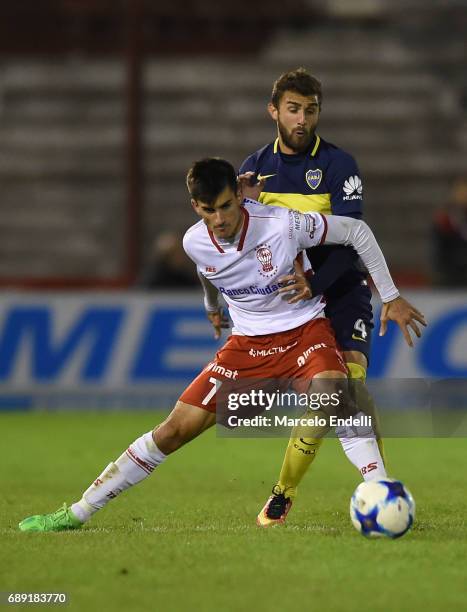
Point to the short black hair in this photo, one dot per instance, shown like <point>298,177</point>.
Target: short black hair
<point>300,81</point>
<point>208,177</point>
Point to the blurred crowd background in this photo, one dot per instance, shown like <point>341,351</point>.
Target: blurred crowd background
<point>104,104</point>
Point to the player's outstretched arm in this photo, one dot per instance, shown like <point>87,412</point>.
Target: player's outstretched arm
<point>356,233</point>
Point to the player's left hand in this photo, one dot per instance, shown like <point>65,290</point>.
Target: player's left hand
<point>219,320</point>
<point>297,284</point>
<point>405,315</point>
<point>249,186</point>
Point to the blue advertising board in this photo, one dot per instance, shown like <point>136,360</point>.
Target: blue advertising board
<point>62,350</point>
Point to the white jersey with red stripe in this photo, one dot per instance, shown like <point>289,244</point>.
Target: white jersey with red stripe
<point>246,270</point>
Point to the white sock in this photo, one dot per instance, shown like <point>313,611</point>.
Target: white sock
<point>365,456</point>
<point>136,464</point>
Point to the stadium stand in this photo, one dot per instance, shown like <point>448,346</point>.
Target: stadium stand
<point>61,168</point>
<point>62,132</point>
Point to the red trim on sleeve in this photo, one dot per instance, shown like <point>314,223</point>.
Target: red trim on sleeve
<point>323,237</point>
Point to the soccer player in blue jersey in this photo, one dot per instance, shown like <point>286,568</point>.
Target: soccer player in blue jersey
<point>302,171</point>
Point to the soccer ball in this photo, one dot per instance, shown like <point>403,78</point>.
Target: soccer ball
<point>382,508</point>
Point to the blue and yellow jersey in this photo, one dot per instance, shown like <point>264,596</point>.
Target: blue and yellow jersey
<point>323,179</point>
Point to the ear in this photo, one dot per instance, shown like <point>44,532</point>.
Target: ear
<point>272,110</point>
<point>194,204</point>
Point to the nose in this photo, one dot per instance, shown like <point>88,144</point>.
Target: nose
<point>218,218</point>
<point>301,118</point>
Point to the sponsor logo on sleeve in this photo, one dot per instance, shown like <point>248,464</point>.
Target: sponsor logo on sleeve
<point>294,222</point>
<point>353,188</point>
<point>310,225</point>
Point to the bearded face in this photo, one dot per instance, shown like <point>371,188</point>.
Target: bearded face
<point>296,118</point>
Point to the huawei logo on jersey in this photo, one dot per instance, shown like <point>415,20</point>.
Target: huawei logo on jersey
<point>264,256</point>
<point>353,188</point>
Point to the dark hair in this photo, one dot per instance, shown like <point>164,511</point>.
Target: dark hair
<point>299,81</point>
<point>208,177</point>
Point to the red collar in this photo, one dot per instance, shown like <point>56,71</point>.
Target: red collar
<point>241,242</point>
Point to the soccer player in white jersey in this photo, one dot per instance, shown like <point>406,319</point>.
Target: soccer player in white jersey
<point>246,252</point>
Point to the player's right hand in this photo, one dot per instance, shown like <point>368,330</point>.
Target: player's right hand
<point>297,288</point>
<point>219,321</point>
<point>405,315</point>
<point>249,186</point>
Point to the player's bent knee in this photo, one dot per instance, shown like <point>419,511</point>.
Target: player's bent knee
<point>329,382</point>
<point>356,357</point>
<point>334,384</point>
<point>357,372</point>
<point>330,374</point>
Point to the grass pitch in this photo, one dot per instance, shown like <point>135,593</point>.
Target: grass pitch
<point>186,539</point>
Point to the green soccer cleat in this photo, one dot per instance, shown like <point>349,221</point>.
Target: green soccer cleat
<point>60,520</point>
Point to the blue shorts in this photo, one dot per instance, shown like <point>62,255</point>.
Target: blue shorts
<point>351,318</point>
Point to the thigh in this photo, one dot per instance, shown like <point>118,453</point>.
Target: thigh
<point>351,317</point>
<point>316,354</point>
<point>231,364</point>
<point>249,364</point>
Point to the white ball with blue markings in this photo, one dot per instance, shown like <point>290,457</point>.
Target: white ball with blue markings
<point>382,508</point>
